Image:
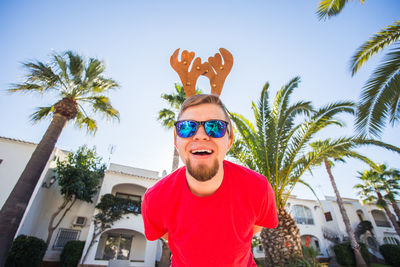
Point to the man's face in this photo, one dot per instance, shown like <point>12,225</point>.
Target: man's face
<point>203,166</point>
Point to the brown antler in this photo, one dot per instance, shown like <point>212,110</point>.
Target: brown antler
<point>188,78</point>
<point>218,73</point>
<point>214,70</point>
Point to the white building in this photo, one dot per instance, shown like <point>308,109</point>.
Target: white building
<point>319,222</point>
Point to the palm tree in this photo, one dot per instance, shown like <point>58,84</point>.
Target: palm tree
<point>338,150</point>
<point>80,87</point>
<point>381,93</point>
<point>168,116</point>
<point>330,8</point>
<point>389,180</point>
<point>370,192</point>
<point>274,147</point>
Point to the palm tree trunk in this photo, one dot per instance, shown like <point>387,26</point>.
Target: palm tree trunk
<point>356,247</point>
<point>396,209</point>
<point>175,161</point>
<point>389,214</point>
<point>14,208</point>
<point>282,243</point>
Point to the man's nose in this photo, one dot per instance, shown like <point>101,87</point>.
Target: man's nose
<point>201,134</point>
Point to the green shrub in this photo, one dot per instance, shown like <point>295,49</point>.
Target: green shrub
<point>345,255</point>
<point>71,253</point>
<point>391,253</point>
<point>26,251</point>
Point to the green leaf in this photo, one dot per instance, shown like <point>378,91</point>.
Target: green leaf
<point>380,97</point>
<point>374,45</point>
<point>41,113</point>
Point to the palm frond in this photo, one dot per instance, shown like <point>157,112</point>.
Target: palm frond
<point>93,70</point>
<point>262,113</point>
<point>41,113</point>
<point>380,97</point>
<point>251,140</point>
<point>332,109</point>
<point>83,121</point>
<point>40,78</point>
<point>61,63</point>
<point>330,8</point>
<point>167,118</point>
<point>27,88</point>
<point>374,45</point>
<point>100,85</point>
<point>76,66</point>
<point>239,152</point>
<point>102,105</point>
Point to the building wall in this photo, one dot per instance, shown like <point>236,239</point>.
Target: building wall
<point>129,180</point>
<point>15,155</point>
<point>126,180</point>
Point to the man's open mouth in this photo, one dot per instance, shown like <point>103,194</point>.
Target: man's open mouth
<point>202,152</point>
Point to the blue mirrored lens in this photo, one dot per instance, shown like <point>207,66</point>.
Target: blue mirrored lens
<point>186,128</point>
<point>215,129</point>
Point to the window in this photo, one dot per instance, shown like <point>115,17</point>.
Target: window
<point>380,218</point>
<point>128,196</point>
<point>135,205</point>
<point>302,215</point>
<point>65,235</point>
<point>117,247</point>
<point>328,216</point>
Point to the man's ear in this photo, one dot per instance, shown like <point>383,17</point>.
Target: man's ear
<point>230,141</point>
<point>175,140</point>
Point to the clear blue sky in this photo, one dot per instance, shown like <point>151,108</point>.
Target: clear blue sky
<point>270,40</point>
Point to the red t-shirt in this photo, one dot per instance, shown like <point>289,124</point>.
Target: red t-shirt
<point>216,230</point>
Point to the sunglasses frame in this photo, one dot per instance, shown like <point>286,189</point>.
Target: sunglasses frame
<point>202,123</point>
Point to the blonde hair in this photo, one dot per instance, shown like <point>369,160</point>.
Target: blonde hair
<point>199,99</point>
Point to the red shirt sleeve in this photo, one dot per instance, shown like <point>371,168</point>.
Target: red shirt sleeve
<point>267,214</point>
<point>153,224</point>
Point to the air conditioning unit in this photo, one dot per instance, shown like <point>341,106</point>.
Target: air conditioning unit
<point>80,221</point>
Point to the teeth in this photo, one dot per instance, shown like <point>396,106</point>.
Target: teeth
<point>201,151</point>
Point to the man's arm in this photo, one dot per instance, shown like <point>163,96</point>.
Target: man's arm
<point>256,229</point>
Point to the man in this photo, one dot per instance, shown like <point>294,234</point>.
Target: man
<point>210,209</point>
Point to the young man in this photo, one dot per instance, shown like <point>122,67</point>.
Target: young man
<point>210,209</point>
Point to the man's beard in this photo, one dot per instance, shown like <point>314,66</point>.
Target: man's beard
<point>202,173</point>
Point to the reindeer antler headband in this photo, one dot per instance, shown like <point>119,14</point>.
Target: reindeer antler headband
<point>214,70</point>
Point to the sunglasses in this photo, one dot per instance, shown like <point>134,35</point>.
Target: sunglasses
<point>213,128</point>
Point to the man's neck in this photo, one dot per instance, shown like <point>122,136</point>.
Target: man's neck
<point>207,188</point>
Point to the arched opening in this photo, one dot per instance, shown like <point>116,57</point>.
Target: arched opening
<point>121,244</point>
<point>302,214</point>
<point>380,218</point>
<point>310,241</point>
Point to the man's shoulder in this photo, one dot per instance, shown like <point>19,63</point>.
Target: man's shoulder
<point>166,184</point>
<point>245,173</point>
